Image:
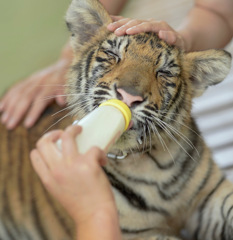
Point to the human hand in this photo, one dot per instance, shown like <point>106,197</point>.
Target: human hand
<point>122,26</point>
<point>76,181</point>
<point>30,97</point>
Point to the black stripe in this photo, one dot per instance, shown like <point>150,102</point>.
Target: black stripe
<point>207,227</point>
<point>135,179</point>
<point>101,92</point>
<point>204,181</point>
<point>37,218</point>
<point>226,233</point>
<point>180,178</point>
<point>152,108</point>
<point>178,92</point>
<point>103,85</point>
<point>214,232</point>
<point>8,231</point>
<point>170,84</point>
<point>78,69</point>
<point>63,224</point>
<point>159,165</point>
<point>175,100</point>
<point>110,42</point>
<point>223,204</point>
<point>119,44</point>
<point>146,113</point>
<point>152,43</point>
<point>134,231</point>
<point>7,214</point>
<point>100,59</point>
<point>127,45</point>
<point>87,68</point>
<point>158,59</point>
<point>203,205</point>
<point>132,197</point>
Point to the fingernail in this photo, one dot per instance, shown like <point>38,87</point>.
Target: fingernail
<point>4,117</point>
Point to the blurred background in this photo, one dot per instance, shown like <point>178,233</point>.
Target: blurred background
<point>33,33</point>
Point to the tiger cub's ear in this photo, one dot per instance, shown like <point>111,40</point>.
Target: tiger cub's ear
<point>207,68</point>
<point>84,19</point>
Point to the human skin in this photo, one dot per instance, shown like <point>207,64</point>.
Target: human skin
<point>209,24</point>
<point>27,99</point>
<point>78,182</point>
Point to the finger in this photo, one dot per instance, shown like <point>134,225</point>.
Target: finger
<point>35,111</point>
<point>61,101</point>
<point>51,136</point>
<point>113,26</point>
<point>129,25</point>
<point>116,18</point>
<point>143,27</point>
<point>97,155</point>
<point>38,164</point>
<point>47,148</point>
<point>41,168</point>
<point>16,112</point>
<point>60,98</point>
<point>168,36</point>
<point>5,99</point>
<point>16,103</point>
<point>69,146</point>
<point>11,94</point>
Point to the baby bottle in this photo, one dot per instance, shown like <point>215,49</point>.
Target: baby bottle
<point>103,126</point>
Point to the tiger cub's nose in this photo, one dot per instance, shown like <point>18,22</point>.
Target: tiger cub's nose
<point>128,98</point>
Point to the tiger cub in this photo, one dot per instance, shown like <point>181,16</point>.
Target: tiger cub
<point>166,185</point>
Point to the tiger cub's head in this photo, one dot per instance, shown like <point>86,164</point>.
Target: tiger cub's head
<point>155,80</point>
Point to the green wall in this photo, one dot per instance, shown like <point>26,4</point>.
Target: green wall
<point>32,33</point>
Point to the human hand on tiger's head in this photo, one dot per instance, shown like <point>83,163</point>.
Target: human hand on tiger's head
<point>122,26</point>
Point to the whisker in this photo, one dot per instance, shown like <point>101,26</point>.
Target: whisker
<point>182,136</point>
<point>171,136</point>
<point>64,109</point>
<point>182,124</point>
<point>162,142</point>
<point>59,120</point>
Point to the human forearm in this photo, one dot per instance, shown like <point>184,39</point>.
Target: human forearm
<point>114,7</point>
<point>103,225</point>
<point>205,28</point>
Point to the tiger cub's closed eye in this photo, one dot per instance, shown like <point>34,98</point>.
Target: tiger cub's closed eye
<point>165,73</point>
<point>112,54</point>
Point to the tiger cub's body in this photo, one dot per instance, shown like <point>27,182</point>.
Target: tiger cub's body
<point>163,176</point>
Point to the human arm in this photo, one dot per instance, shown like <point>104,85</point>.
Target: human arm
<point>30,97</point>
<point>209,24</point>
<point>27,99</point>
<point>78,183</point>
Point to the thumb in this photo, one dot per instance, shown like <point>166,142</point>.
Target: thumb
<point>172,38</point>
<point>116,18</point>
<point>61,98</point>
